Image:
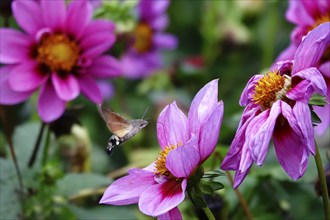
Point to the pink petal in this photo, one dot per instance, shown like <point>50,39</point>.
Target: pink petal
<point>232,159</point>
<point>182,161</point>
<point>67,87</point>
<point>302,113</point>
<point>165,41</point>
<point>159,23</point>
<point>128,189</point>
<point>249,90</point>
<point>312,48</point>
<point>203,104</point>
<point>52,18</point>
<point>97,26</point>
<point>105,67</point>
<point>96,44</point>
<point>26,77</point>
<point>173,214</point>
<point>7,95</point>
<point>79,15</point>
<point>287,54</point>
<point>240,176</point>
<point>324,114</point>
<point>297,13</point>
<point>172,126</point>
<point>50,107</point>
<point>27,15</point>
<point>89,88</point>
<point>14,46</point>
<point>260,131</point>
<point>290,151</point>
<point>161,198</point>
<point>210,131</point>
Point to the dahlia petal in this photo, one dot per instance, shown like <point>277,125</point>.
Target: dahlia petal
<point>232,159</point>
<point>301,91</point>
<point>324,115</point>
<point>14,46</point>
<point>128,189</point>
<point>97,26</point>
<point>89,88</point>
<point>286,54</point>
<point>172,126</point>
<point>203,104</point>
<point>184,159</point>
<point>316,82</point>
<point>53,19</point>
<point>246,160</point>
<point>159,23</point>
<point>67,88</point>
<point>106,88</point>
<point>302,113</point>
<point>249,90</point>
<point>297,14</point>
<point>161,198</point>
<point>165,41</point>
<point>149,10</point>
<point>105,67</point>
<point>240,176</point>
<point>27,15</point>
<point>78,15</point>
<point>290,153</point>
<point>210,131</point>
<point>25,77</point>
<point>312,7</point>
<point>50,107</point>
<point>7,95</point>
<point>96,44</point>
<point>173,214</point>
<point>325,70</point>
<point>260,131</point>
<point>312,48</point>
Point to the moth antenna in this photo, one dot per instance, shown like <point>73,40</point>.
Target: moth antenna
<point>145,112</point>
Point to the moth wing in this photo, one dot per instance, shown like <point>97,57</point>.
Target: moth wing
<point>116,123</point>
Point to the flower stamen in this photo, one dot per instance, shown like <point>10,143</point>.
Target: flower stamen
<point>58,52</point>
<point>270,88</point>
<point>143,37</point>
<point>160,164</point>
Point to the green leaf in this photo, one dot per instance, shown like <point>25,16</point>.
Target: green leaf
<point>9,198</point>
<point>197,199</point>
<point>216,185</point>
<point>205,188</point>
<point>318,100</point>
<point>315,118</point>
<point>214,173</point>
<point>73,183</point>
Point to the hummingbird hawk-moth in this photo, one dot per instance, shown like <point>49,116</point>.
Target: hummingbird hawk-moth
<point>121,128</point>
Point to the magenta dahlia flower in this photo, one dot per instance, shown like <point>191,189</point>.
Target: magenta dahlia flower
<point>59,54</point>
<point>185,144</point>
<point>144,51</point>
<point>308,15</point>
<point>277,106</point>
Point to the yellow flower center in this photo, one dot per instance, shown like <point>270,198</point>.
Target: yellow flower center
<point>58,52</point>
<point>271,87</point>
<point>319,20</point>
<point>160,164</point>
<point>143,37</point>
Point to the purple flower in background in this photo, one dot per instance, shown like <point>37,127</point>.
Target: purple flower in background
<point>307,15</point>
<point>185,144</point>
<point>144,53</point>
<point>59,54</point>
<point>277,106</point>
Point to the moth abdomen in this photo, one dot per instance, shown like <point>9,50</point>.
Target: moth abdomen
<point>113,142</point>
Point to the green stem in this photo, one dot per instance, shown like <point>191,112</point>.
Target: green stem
<point>45,152</point>
<point>36,146</point>
<point>208,213</point>
<point>323,183</point>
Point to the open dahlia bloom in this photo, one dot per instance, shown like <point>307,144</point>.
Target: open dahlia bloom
<point>59,54</point>
<point>185,143</point>
<point>143,55</point>
<point>277,106</point>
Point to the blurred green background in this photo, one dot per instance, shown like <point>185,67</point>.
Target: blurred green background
<point>229,40</point>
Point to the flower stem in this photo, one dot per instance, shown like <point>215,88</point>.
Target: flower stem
<point>208,213</point>
<point>36,146</point>
<point>323,183</point>
<point>45,152</point>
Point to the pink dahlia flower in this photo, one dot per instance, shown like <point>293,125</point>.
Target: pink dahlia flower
<point>277,106</point>
<point>59,54</point>
<point>185,144</point>
<point>144,51</point>
<point>307,15</point>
